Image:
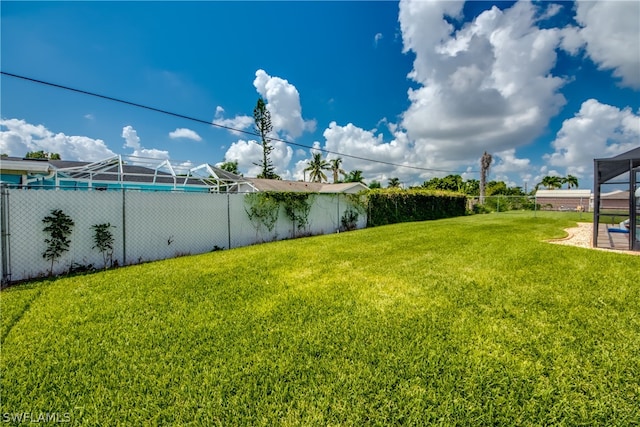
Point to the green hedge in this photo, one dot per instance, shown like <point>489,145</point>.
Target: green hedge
<point>390,206</point>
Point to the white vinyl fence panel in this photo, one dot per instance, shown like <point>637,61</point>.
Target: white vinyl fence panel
<point>167,225</point>
<point>146,226</point>
<point>27,209</point>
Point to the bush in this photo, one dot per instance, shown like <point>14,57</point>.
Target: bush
<point>58,225</point>
<point>480,209</point>
<point>349,219</point>
<point>103,239</point>
<point>390,206</point>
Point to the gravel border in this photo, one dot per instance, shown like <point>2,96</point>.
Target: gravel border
<point>581,236</point>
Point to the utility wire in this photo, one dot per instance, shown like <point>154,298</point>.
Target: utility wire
<point>206,122</point>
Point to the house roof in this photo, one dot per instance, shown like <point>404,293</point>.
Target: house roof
<point>20,164</point>
<point>618,194</point>
<point>564,193</point>
<point>306,187</point>
<point>344,187</point>
<point>225,175</point>
<point>607,169</point>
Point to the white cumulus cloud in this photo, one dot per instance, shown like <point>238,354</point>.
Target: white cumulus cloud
<point>131,138</point>
<point>506,166</point>
<point>508,162</point>
<point>151,153</point>
<point>17,137</point>
<point>249,153</point>
<point>283,102</point>
<point>185,133</point>
<point>355,141</point>
<point>234,125</point>
<point>485,87</point>
<point>611,31</point>
<point>596,131</point>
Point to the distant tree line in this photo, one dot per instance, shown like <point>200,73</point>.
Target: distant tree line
<point>471,187</point>
<point>42,155</point>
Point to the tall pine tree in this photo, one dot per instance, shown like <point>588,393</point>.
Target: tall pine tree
<point>262,119</point>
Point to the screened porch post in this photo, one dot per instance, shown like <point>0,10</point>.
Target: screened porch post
<point>596,202</point>
<point>634,206</point>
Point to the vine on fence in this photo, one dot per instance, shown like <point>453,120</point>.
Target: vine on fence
<point>58,225</point>
<point>359,201</point>
<point>262,210</point>
<point>296,206</point>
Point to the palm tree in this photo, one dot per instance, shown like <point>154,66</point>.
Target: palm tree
<point>551,182</point>
<point>335,168</point>
<point>354,176</point>
<point>571,181</point>
<point>394,183</point>
<point>316,167</point>
<point>485,164</point>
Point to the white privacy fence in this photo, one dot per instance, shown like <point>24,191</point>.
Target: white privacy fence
<point>146,226</point>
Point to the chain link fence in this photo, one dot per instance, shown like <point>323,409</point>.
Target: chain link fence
<point>531,203</point>
<point>145,226</point>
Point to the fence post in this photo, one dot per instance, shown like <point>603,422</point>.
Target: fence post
<point>124,228</point>
<point>4,235</point>
<point>338,212</point>
<point>229,220</point>
<point>581,208</point>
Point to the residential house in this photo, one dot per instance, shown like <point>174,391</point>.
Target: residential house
<point>565,200</point>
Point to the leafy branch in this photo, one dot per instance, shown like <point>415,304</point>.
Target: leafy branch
<point>262,210</point>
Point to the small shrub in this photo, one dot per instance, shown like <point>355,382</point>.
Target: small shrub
<point>77,268</point>
<point>58,225</point>
<point>481,209</point>
<point>349,219</point>
<point>103,241</point>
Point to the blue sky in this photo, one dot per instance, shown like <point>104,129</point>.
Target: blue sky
<point>544,87</point>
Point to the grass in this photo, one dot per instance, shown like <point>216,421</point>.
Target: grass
<point>466,321</point>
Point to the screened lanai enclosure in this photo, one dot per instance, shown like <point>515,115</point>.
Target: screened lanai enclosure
<point>123,172</point>
<point>616,218</point>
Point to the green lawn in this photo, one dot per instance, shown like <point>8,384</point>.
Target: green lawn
<point>465,321</point>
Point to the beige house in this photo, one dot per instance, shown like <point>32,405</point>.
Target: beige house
<point>615,200</point>
<point>565,200</point>
<point>259,184</point>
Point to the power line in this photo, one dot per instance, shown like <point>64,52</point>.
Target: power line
<point>209,123</point>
